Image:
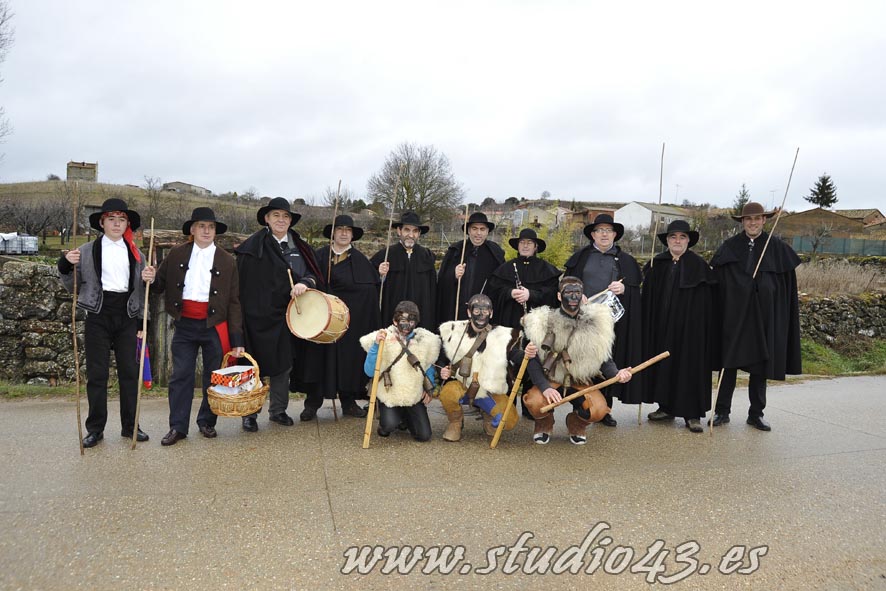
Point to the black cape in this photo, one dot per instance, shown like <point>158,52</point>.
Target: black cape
<point>479,265</point>
<point>409,278</point>
<point>759,317</point>
<point>338,367</point>
<point>628,349</point>
<point>678,316</point>
<point>264,297</point>
<point>538,276</point>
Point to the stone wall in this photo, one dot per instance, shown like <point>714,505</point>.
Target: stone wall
<point>35,324</point>
<point>825,319</point>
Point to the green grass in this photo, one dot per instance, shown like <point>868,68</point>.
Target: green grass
<point>11,391</point>
<point>860,355</point>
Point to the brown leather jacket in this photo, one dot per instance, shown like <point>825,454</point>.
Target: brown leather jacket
<point>224,288</point>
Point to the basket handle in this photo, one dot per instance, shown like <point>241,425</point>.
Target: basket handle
<point>224,361</point>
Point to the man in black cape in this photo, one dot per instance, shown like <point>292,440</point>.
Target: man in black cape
<point>537,279</point>
<point>337,368</point>
<point>481,258</point>
<point>759,316</point>
<point>678,314</point>
<point>601,265</point>
<point>409,272</point>
<point>264,261</point>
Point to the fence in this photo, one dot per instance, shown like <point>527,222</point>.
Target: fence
<point>856,246</point>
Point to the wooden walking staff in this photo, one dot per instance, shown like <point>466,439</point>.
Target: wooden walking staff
<point>464,245</point>
<point>381,289</point>
<point>754,276</point>
<point>513,395</point>
<point>74,314</point>
<point>652,251</point>
<point>141,358</point>
<point>609,382</point>
<point>332,234</point>
<point>367,433</point>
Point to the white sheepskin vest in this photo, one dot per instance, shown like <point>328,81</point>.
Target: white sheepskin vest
<point>406,382</point>
<point>491,364</point>
<point>590,344</point>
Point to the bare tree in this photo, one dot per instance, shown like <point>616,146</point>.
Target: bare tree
<point>154,193</point>
<point>346,198</point>
<point>7,36</point>
<point>426,186</point>
<point>819,236</point>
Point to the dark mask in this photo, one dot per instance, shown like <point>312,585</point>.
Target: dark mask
<point>480,316</point>
<point>405,324</point>
<point>570,298</point>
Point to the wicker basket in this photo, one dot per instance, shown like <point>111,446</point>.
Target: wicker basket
<point>238,405</point>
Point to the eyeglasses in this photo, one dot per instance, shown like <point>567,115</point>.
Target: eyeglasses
<point>604,231</point>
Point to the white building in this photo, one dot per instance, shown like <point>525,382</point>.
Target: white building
<point>636,215</point>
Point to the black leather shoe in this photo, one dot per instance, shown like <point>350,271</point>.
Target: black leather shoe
<point>353,410</point>
<point>141,436</point>
<point>382,433</point>
<point>92,439</point>
<point>308,414</point>
<point>759,423</point>
<point>720,420</point>
<point>609,421</point>
<point>172,437</point>
<point>281,418</point>
<point>207,431</point>
<point>250,424</point>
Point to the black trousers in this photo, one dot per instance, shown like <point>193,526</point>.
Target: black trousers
<point>112,328</point>
<point>278,394</point>
<point>314,398</point>
<point>756,393</point>
<point>416,417</point>
<point>190,337</point>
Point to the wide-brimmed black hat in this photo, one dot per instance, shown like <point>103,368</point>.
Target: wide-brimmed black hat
<point>679,226</point>
<point>604,218</point>
<point>752,208</point>
<point>115,204</point>
<point>277,203</point>
<point>344,221</point>
<point>411,218</point>
<point>204,214</point>
<point>528,234</point>
<point>478,217</point>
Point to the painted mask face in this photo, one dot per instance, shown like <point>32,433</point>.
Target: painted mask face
<point>481,314</point>
<point>405,323</point>
<point>570,298</point>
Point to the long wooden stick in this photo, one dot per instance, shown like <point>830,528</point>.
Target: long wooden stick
<point>754,276</point>
<point>74,314</point>
<point>652,249</point>
<point>601,385</point>
<point>381,290</point>
<point>714,399</point>
<point>511,397</point>
<point>332,234</point>
<point>367,433</point>
<point>464,245</point>
<point>141,361</point>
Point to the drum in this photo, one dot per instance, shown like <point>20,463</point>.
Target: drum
<point>318,317</point>
<point>610,300</point>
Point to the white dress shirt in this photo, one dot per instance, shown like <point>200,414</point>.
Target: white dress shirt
<point>199,276</point>
<point>115,265</point>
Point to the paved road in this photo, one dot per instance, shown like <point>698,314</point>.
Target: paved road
<point>803,507</point>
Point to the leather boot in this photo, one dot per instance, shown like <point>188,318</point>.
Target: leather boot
<point>576,425</point>
<point>456,422</point>
<point>487,424</point>
<point>544,424</point>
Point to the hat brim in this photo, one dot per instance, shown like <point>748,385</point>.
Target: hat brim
<point>263,211</point>
<point>135,220</point>
<point>357,230</point>
<point>619,230</point>
<point>765,214</point>
<point>540,244</point>
<point>422,229</point>
<point>693,237</point>
<point>220,228</point>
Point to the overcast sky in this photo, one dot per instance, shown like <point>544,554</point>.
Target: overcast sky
<point>575,98</point>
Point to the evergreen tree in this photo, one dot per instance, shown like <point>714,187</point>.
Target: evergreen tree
<point>824,193</point>
<point>743,197</point>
